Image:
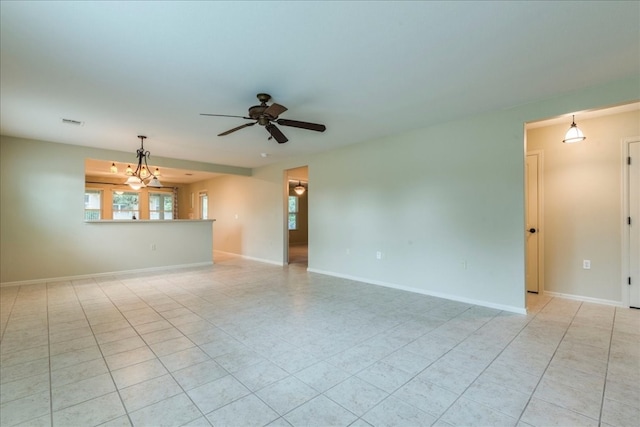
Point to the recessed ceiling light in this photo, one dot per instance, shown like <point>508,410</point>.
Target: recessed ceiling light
<point>72,122</point>
<point>264,155</point>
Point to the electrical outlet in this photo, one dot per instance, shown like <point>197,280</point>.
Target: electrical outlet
<point>379,255</point>
<point>153,246</point>
<point>463,264</point>
<point>586,264</point>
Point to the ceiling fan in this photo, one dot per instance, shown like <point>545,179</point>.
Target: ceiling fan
<point>267,116</point>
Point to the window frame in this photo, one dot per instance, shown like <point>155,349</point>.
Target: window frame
<point>203,199</point>
<point>135,214</point>
<point>99,210</point>
<point>162,212</point>
<point>293,214</point>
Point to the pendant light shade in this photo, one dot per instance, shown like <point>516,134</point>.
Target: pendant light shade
<point>134,182</point>
<point>574,134</point>
<point>155,183</point>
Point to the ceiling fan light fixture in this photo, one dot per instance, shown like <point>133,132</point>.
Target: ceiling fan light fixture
<point>574,134</point>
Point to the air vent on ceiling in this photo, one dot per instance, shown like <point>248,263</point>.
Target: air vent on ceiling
<point>72,122</point>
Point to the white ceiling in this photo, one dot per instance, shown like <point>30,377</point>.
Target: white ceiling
<point>364,69</point>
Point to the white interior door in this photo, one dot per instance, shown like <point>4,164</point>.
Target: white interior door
<point>532,221</point>
<point>634,227</point>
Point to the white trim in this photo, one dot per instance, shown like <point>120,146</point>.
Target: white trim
<point>512,309</point>
<point>267,261</point>
<point>111,273</point>
<point>585,299</point>
<point>250,258</point>
<point>625,266</point>
<point>285,217</point>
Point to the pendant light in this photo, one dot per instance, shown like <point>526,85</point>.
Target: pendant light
<point>299,189</point>
<point>574,134</point>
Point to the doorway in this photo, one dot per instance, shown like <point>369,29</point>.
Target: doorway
<point>297,215</point>
<point>584,197</point>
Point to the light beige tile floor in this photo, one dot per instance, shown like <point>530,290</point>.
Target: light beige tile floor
<point>247,344</point>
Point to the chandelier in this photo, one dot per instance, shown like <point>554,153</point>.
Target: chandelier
<point>142,176</point>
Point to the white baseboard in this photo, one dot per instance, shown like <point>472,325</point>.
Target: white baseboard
<point>509,308</point>
<point>250,258</point>
<point>111,273</point>
<point>584,299</point>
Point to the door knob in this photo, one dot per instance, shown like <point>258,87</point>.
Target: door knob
<point>532,230</point>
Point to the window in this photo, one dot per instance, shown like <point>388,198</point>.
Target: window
<point>160,206</point>
<point>204,206</point>
<point>92,205</point>
<point>125,205</point>
<point>293,212</point>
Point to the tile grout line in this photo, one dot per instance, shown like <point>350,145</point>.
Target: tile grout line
<point>49,351</point>
<point>487,367</point>
<point>100,348</point>
<point>550,359</point>
<point>13,303</point>
<point>149,347</point>
<point>251,392</point>
<point>390,394</point>
<point>606,372</point>
<point>138,295</point>
<point>547,366</point>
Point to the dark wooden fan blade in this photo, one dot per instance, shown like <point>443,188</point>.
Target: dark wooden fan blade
<point>303,125</point>
<point>225,115</point>
<point>274,110</point>
<point>276,133</point>
<point>237,128</point>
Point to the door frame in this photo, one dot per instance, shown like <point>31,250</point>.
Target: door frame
<point>285,223</point>
<point>540,231</point>
<point>285,209</point>
<point>626,250</point>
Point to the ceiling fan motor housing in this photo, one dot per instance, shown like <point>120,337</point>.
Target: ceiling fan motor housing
<point>257,111</point>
